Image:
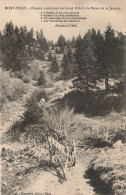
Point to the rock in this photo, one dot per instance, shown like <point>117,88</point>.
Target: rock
<point>20,177</point>
<point>4,183</point>
<point>118,144</point>
<point>120,135</point>
<point>10,169</point>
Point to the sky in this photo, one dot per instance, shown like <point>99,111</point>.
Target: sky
<point>95,18</point>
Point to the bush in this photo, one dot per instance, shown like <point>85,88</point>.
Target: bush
<point>50,56</point>
<point>16,89</point>
<point>11,88</point>
<point>31,72</point>
<point>100,131</point>
<point>62,121</point>
<point>34,112</point>
<point>41,79</point>
<point>94,103</point>
<point>54,65</point>
<point>40,55</point>
<point>109,166</point>
<point>34,133</point>
<point>120,87</point>
<point>26,78</point>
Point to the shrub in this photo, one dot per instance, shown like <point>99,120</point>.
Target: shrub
<point>54,65</point>
<point>109,165</point>
<point>34,133</point>
<point>11,88</point>
<point>34,112</point>
<point>94,103</point>
<point>62,121</point>
<point>100,131</point>
<point>15,89</point>
<point>42,79</point>
<point>120,87</point>
<point>26,79</point>
<point>50,56</point>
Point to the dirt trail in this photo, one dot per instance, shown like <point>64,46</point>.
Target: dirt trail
<point>13,112</point>
<point>58,91</point>
<point>48,182</point>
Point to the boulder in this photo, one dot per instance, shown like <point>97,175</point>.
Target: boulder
<point>118,144</point>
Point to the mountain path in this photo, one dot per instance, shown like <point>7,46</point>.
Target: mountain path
<point>47,182</point>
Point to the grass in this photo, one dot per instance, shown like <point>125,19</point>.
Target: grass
<point>17,167</point>
<point>109,167</point>
<point>11,88</point>
<point>99,131</point>
<point>94,103</point>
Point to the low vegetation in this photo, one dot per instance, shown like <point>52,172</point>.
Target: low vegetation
<point>17,165</point>
<point>94,103</point>
<point>91,114</point>
<point>101,131</point>
<point>11,88</point>
<point>109,168</point>
<point>62,121</point>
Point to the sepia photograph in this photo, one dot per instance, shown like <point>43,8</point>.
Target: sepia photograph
<point>63,97</point>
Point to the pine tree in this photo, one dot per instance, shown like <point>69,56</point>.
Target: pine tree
<point>14,57</point>
<point>73,42</point>
<point>67,64</point>
<point>1,39</point>
<point>120,56</point>
<point>78,53</point>
<point>110,45</point>
<point>41,40</point>
<point>23,36</point>
<point>61,43</point>
<point>42,80</point>
<point>64,66</point>
<point>30,40</point>
<point>86,71</point>
<point>54,65</point>
<point>50,56</point>
<point>98,41</point>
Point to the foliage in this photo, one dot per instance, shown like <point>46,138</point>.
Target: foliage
<point>18,46</point>
<point>67,64</point>
<point>54,65</point>
<point>14,174</point>
<point>62,121</point>
<point>110,167</point>
<point>34,112</point>
<point>94,103</point>
<point>61,43</point>
<point>40,55</point>
<point>12,46</point>
<point>11,88</point>
<point>100,131</point>
<point>99,56</point>
<point>41,40</point>
<point>42,79</point>
<point>50,56</point>
<point>73,42</point>
<point>86,71</point>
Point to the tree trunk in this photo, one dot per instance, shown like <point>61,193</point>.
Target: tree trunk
<point>106,84</point>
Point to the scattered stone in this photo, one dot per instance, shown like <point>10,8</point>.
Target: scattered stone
<point>118,144</point>
<point>10,169</point>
